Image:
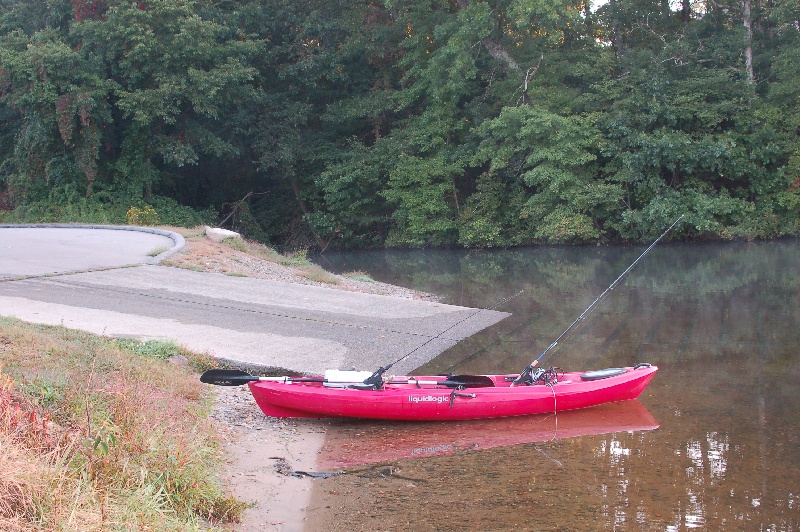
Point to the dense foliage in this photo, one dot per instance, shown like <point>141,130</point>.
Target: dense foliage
<point>406,122</point>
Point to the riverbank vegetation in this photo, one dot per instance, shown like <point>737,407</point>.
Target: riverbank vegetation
<point>104,434</point>
<point>370,124</point>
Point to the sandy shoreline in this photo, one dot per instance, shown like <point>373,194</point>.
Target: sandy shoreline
<point>261,455</point>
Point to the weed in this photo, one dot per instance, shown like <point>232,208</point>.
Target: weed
<point>265,252</point>
<point>297,258</point>
<point>158,251</point>
<point>236,243</point>
<point>315,273</point>
<point>359,276</point>
<point>201,361</point>
<point>46,393</point>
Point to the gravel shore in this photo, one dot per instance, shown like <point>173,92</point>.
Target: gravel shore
<point>202,254</point>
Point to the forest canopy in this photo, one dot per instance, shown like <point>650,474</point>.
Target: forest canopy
<point>405,123</point>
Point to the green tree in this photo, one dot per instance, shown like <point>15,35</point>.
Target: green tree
<point>784,111</point>
<point>59,95</point>
<point>176,74</point>
<point>147,82</point>
<point>418,189</point>
<point>408,123</point>
<point>554,156</point>
<point>685,126</point>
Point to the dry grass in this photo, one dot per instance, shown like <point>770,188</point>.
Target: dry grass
<point>243,258</point>
<point>319,275</point>
<point>20,485</point>
<point>96,437</point>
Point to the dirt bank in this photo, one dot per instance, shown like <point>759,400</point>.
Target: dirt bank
<point>247,259</point>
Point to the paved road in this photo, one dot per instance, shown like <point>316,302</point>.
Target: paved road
<point>253,322</point>
<point>40,250</point>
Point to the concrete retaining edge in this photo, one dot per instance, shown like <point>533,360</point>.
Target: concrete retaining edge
<point>178,240</point>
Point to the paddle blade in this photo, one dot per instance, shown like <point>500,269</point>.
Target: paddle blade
<point>468,381</point>
<point>226,377</point>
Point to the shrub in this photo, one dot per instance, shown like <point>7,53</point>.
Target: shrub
<point>317,274</point>
<point>145,215</point>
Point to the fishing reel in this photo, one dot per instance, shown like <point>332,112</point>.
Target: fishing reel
<point>531,376</point>
<point>551,376</point>
<point>375,381</point>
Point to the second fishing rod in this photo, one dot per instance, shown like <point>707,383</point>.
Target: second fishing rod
<point>527,375</point>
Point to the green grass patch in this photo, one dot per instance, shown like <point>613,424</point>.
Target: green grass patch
<point>160,349</point>
<point>359,276</point>
<point>236,243</point>
<point>104,434</point>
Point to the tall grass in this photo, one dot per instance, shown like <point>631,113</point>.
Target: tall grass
<point>94,436</point>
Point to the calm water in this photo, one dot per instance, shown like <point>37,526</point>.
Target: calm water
<point>722,321</point>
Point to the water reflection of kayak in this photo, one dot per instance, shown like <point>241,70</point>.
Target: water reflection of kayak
<point>447,398</point>
<point>356,442</point>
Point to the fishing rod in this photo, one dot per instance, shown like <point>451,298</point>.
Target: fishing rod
<point>526,376</point>
<point>235,377</point>
<point>376,379</point>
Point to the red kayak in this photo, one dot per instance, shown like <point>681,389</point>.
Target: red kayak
<point>446,398</point>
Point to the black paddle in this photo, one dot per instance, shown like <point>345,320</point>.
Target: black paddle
<point>235,377</point>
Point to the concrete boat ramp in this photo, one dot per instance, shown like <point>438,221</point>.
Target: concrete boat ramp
<point>104,280</point>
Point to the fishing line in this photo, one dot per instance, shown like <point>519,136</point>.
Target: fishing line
<point>555,411</point>
<point>589,487</point>
<point>376,379</point>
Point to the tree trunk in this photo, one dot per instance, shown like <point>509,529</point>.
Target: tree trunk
<point>302,204</point>
<point>497,51</point>
<point>617,43</point>
<point>686,11</point>
<point>748,42</point>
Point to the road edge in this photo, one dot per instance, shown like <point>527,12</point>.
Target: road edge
<point>178,241</point>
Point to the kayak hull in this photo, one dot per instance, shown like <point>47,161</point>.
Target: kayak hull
<point>429,402</point>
